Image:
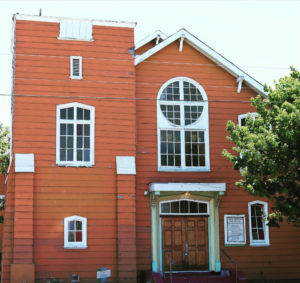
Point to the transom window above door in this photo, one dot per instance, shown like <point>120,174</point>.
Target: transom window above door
<point>184,207</point>
<point>182,119</point>
<point>75,134</point>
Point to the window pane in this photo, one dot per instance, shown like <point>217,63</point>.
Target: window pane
<point>172,91</point>
<point>71,113</point>
<point>70,155</point>
<point>79,114</point>
<point>163,147</point>
<point>79,155</point>
<point>194,136</point>
<point>194,148</point>
<point>70,129</point>
<point>175,207</point>
<point>202,207</point>
<point>63,114</point>
<point>63,142</point>
<point>164,160</point>
<point>243,122</point>
<point>79,130</point>
<point>71,225</point>
<point>254,234</point>
<point>177,148</point>
<point>87,130</point>
<point>177,160</point>
<point>86,155</point>
<point>63,155</point>
<point>253,222</point>
<point>79,142</point>
<point>201,148</point>
<point>191,114</point>
<point>69,142</point>
<point>188,160</point>
<point>259,222</point>
<point>193,207</point>
<point>78,236</point>
<point>252,210</point>
<point>177,136</point>
<point>188,149</point>
<point>170,148</point>
<point>261,234</point>
<point>202,160</point>
<point>78,225</point>
<point>163,135</point>
<point>87,114</point>
<point>188,136</point>
<point>170,136</point>
<point>86,142</point>
<point>63,129</point>
<point>165,207</point>
<point>170,160</point>
<point>71,236</point>
<point>191,93</point>
<point>184,206</point>
<point>201,137</point>
<point>195,161</point>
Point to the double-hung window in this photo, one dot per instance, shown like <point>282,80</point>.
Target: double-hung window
<point>182,123</point>
<point>75,134</point>
<point>75,232</point>
<point>259,231</point>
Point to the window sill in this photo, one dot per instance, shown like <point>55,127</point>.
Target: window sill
<point>74,165</point>
<point>182,170</point>
<point>260,245</point>
<point>76,78</point>
<point>75,247</point>
<point>76,39</point>
<point>235,245</point>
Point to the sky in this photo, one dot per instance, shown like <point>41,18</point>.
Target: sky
<point>261,37</point>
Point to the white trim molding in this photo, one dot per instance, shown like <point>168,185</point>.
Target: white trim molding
<point>74,122</point>
<point>266,241</point>
<point>236,239</point>
<point>208,52</point>
<point>187,187</point>
<point>239,80</point>
<point>75,245</point>
<point>151,37</point>
<point>58,19</point>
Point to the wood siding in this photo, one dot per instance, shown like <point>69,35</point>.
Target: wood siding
<point>280,260</point>
<point>43,70</point>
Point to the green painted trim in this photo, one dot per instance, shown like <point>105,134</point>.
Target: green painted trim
<point>237,245</point>
<point>209,243</point>
<point>154,266</point>
<point>160,244</point>
<point>218,266</point>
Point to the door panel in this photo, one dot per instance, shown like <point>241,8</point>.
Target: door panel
<point>177,232</point>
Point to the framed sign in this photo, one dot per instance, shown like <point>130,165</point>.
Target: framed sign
<point>235,229</point>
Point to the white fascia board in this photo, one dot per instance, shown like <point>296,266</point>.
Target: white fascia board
<point>187,187</point>
<point>57,20</point>
<point>208,52</point>
<point>149,38</point>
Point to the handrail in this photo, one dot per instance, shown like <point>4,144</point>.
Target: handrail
<point>163,264</point>
<point>236,265</point>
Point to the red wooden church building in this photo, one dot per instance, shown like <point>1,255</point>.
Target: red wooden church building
<point>116,159</point>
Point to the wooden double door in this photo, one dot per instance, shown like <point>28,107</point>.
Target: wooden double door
<point>186,240</point>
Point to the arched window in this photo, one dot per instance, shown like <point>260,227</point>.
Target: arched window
<point>182,123</point>
<point>75,232</point>
<point>75,134</point>
<point>184,207</point>
<point>259,231</point>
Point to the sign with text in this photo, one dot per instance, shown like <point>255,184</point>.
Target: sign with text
<point>235,229</point>
<point>103,273</point>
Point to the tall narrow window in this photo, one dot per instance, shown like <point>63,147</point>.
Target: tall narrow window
<point>75,134</point>
<point>76,67</point>
<point>259,231</point>
<point>75,230</point>
<point>182,119</point>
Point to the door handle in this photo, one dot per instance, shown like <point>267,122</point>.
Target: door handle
<point>186,253</point>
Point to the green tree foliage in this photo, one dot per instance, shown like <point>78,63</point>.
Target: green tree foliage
<point>270,157</point>
<point>4,157</point>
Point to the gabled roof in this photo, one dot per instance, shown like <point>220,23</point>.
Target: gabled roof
<point>208,52</point>
<point>150,38</point>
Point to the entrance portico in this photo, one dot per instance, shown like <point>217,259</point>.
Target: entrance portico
<point>185,221</point>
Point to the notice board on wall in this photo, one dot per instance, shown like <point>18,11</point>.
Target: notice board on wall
<point>235,229</point>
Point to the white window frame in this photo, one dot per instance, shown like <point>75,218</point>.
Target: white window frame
<point>242,243</point>
<point>266,241</point>
<point>189,200</point>
<point>75,122</point>
<point>75,245</point>
<point>202,124</point>
<point>80,68</point>
<point>243,116</point>
<point>2,197</point>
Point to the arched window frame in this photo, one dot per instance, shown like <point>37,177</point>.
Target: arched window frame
<point>189,200</point>
<point>91,122</point>
<point>201,124</point>
<point>266,241</point>
<point>75,245</point>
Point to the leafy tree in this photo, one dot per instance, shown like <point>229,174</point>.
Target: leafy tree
<point>4,157</point>
<point>270,155</point>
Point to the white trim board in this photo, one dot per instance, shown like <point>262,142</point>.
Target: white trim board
<point>150,38</point>
<point>208,52</point>
<point>187,187</point>
<point>58,19</point>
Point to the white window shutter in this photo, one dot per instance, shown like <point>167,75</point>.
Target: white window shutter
<point>79,30</point>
